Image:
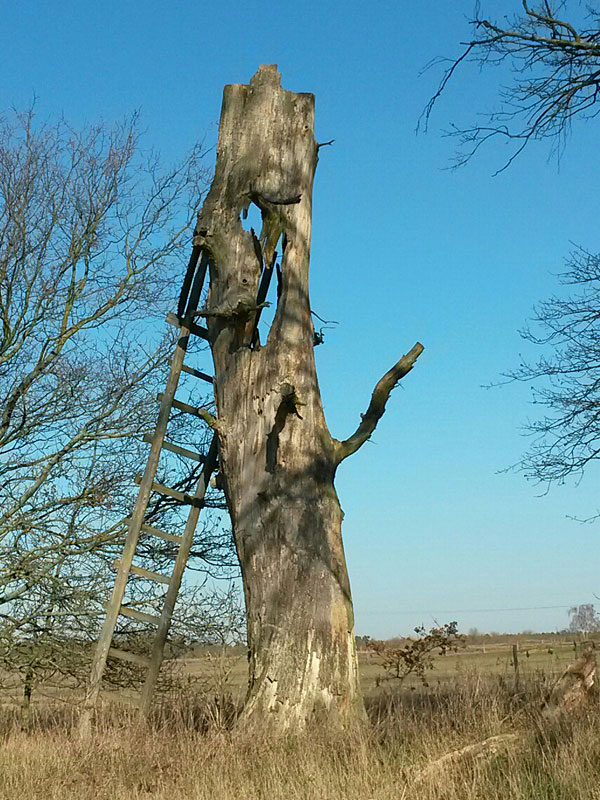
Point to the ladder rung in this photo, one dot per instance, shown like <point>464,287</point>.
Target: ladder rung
<point>141,616</point>
<point>197,374</point>
<point>168,537</point>
<point>144,573</point>
<point>197,330</point>
<point>125,655</point>
<point>182,497</point>
<point>175,448</point>
<point>152,576</point>
<point>181,406</point>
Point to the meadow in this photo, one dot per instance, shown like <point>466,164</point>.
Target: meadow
<point>189,749</point>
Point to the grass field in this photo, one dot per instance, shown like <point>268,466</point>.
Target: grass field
<point>188,752</point>
<point>536,656</point>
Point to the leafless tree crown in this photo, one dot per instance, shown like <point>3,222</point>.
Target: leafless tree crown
<point>93,236</point>
<point>555,66</point>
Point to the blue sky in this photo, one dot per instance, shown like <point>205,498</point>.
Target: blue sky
<point>403,250</point>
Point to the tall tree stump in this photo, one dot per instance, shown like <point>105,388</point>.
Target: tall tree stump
<point>277,457</point>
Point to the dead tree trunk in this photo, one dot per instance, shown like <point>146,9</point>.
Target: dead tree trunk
<point>277,458</point>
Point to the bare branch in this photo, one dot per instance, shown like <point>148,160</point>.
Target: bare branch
<point>556,68</point>
<point>566,377</point>
<point>376,408</point>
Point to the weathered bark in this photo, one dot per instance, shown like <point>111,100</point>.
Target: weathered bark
<point>576,688</point>
<point>277,458</point>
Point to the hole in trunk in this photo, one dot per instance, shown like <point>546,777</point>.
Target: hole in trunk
<point>253,219</point>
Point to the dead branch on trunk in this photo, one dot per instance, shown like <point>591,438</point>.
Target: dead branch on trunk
<point>379,398</point>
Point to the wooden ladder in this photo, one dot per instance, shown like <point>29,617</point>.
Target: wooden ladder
<point>184,320</point>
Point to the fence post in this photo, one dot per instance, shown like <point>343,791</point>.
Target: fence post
<point>515,658</point>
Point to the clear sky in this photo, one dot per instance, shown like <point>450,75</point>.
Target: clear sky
<point>403,250</point>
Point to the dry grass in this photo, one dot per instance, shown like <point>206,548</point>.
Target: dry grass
<point>189,752</point>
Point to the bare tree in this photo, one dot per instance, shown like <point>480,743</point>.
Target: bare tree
<point>277,458</point>
<point>555,65</point>
<point>93,234</point>
<point>584,619</point>
<point>566,379</point>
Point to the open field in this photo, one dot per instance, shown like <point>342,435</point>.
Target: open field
<point>188,752</point>
<point>536,656</point>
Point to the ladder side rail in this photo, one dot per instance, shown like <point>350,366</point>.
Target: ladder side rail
<point>197,285</point>
<point>187,281</point>
<point>265,280</point>
<point>135,523</point>
<point>175,582</point>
